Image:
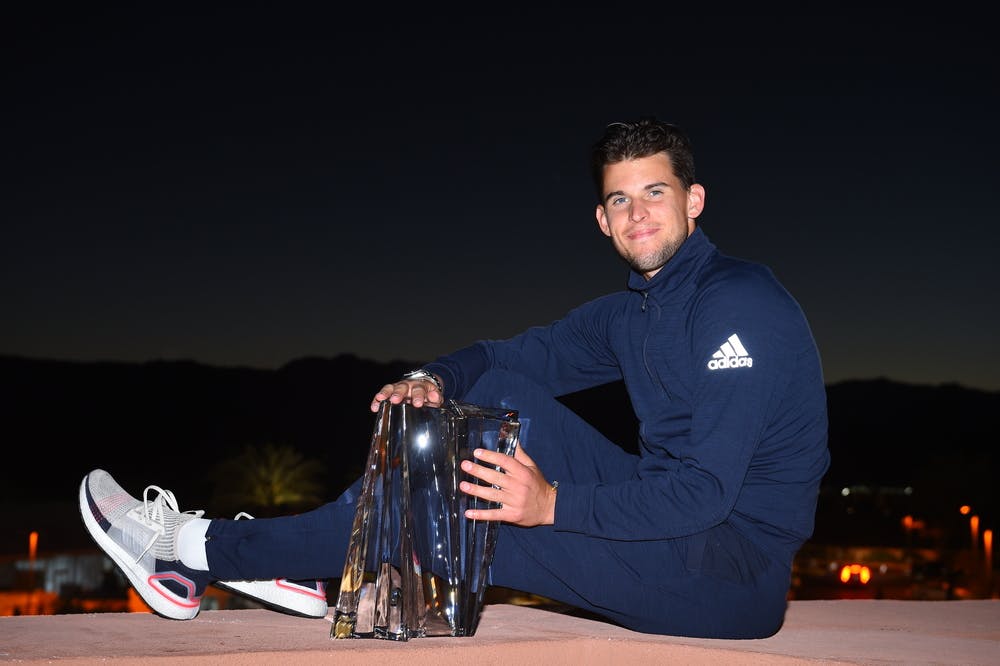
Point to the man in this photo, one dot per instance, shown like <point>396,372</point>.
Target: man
<point>695,535</point>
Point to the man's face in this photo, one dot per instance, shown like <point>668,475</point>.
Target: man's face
<point>646,212</point>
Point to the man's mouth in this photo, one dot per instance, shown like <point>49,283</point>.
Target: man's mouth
<point>642,234</point>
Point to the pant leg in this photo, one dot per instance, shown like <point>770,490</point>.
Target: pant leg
<point>564,446</point>
<point>306,546</point>
<point>711,585</point>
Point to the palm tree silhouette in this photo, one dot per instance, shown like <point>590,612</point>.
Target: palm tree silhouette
<point>267,481</point>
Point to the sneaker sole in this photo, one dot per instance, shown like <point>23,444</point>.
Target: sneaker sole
<point>266,593</point>
<point>160,604</point>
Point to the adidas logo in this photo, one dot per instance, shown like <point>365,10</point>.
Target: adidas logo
<point>732,354</point>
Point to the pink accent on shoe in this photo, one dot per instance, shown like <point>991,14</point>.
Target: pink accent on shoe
<point>319,593</point>
<point>155,583</point>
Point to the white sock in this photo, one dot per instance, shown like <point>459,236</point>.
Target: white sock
<point>191,544</point>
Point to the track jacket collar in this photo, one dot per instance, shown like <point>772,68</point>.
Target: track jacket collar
<point>679,271</point>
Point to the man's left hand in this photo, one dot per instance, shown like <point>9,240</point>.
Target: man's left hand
<point>526,498</point>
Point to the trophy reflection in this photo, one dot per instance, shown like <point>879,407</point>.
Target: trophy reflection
<point>416,566</point>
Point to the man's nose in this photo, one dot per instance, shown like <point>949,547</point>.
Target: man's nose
<point>637,212</point>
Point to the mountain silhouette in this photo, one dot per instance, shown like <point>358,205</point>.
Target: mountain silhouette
<point>170,422</point>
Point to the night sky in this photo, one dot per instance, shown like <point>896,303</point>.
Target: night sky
<point>247,185</point>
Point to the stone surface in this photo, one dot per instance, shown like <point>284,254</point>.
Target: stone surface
<point>831,632</point>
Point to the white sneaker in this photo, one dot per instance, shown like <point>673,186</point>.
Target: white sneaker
<point>306,598</point>
<point>141,538</point>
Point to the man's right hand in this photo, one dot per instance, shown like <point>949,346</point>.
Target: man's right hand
<point>420,392</point>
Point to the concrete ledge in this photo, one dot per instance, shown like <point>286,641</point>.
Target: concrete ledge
<point>846,632</point>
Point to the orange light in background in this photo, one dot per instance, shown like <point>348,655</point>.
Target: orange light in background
<point>964,509</point>
<point>974,529</point>
<point>907,523</point>
<point>32,553</point>
<point>988,551</point>
<point>135,602</point>
<point>848,571</point>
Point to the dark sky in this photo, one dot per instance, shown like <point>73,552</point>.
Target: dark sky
<point>250,185</point>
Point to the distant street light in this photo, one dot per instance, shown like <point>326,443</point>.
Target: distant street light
<point>32,552</point>
<point>988,552</point>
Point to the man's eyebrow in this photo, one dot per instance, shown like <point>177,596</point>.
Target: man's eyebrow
<point>646,188</point>
<point>616,193</point>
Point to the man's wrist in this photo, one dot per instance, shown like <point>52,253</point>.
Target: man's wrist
<point>424,375</point>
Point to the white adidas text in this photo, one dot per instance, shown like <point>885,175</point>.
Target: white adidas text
<point>735,362</point>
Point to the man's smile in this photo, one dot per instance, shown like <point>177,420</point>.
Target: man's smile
<point>642,233</point>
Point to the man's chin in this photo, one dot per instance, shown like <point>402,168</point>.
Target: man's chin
<point>647,265</point>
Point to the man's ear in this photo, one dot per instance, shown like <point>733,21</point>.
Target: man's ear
<point>696,201</point>
<point>602,220</point>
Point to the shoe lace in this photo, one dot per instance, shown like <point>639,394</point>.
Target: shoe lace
<point>154,513</point>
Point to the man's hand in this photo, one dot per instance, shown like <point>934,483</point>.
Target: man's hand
<point>420,392</point>
<point>526,498</point>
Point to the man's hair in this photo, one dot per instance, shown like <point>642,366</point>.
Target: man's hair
<point>642,138</point>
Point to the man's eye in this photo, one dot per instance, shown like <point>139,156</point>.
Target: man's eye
<point>617,201</point>
<point>655,193</point>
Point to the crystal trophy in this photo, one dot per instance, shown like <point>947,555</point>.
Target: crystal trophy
<point>416,566</point>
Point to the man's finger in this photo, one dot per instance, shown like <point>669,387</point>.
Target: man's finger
<point>483,514</point>
<point>492,457</point>
<point>482,472</point>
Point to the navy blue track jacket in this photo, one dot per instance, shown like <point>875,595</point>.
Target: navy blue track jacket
<point>725,379</point>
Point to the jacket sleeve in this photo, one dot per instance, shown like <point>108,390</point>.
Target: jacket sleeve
<point>568,355</point>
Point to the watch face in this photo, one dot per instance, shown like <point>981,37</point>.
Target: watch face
<point>423,374</point>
